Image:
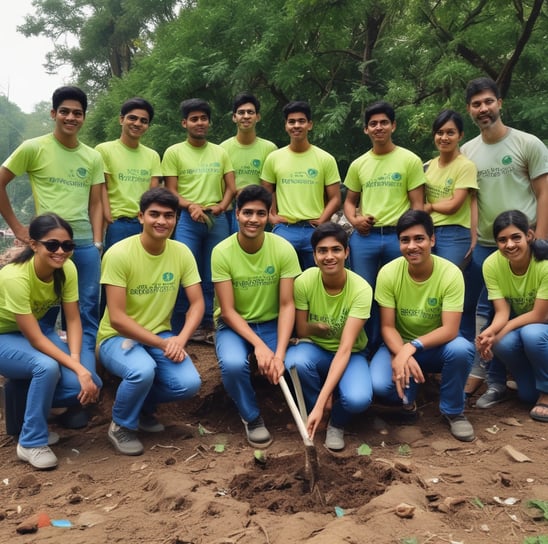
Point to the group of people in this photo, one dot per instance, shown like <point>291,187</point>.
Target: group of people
<point>235,244</point>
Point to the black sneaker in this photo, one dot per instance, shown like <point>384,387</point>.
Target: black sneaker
<point>124,440</point>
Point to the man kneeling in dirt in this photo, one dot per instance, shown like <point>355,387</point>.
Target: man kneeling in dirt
<point>421,296</point>
<point>253,273</point>
<point>142,275</point>
<point>332,305</point>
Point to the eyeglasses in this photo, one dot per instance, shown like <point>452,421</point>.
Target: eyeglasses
<point>53,245</point>
<point>246,112</point>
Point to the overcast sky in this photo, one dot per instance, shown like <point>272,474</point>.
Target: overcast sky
<point>23,79</point>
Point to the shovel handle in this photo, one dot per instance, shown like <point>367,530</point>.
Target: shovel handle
<point>295,413</point>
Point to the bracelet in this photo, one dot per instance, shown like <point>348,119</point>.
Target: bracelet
<point>417,344</point>
<point>98,245</point>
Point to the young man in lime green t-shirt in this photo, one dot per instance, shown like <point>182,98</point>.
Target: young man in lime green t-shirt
<point>332,305</point>
<point>246,150</point>
<point>420,297</point>
<point>142,276</point>
<point>253,273</point>
<point>305,182</point>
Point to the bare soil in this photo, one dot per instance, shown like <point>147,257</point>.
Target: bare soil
<point>199,481</point>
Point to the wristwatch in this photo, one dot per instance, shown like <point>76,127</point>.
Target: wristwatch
<point>417,344</point>
<point>98,245</point>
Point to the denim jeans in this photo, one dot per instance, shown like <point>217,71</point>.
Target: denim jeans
<point>452,243</point>
<point>476,302</point>
<point>454,361</point>
<point>352,395</point>
<point>233,357</point>
<point>51,384</point>
<point>120,229</point>
<point>367,255</point>
<point>148,378</point>
<point>201,240</point>
<point>298,235</point>
<point>524,352</point>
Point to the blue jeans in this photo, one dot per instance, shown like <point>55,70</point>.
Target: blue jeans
<point>148,378</point>
<point>51,384</point>
<point>367,255</point>
<point>454,361</point>
<point>452,243</point>
<point>201,240</point>
<point>524,352</point>
<point>120,229</point>
<point>298,235</point>
<point>475,302</point>
<point>352,395</point>
<point>233,356</point>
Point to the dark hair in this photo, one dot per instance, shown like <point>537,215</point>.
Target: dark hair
<point>254,192</point>
<point>329,229</point>
<point>415,217</point>
<point>69,93</point>
<point>194,104</point>
<point>158,195</point>
<point>444,117</point>
<point>245,98</point>
<point>39,227</point>
<point>379,107</point>
<point>539,248</point>
<point>137,103</point>
<point>480,84</point>
<point>297,106</point>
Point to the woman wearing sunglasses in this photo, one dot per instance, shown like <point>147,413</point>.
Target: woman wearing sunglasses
<point>40,277</point>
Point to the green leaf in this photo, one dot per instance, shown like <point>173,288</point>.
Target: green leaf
<point>404,449</point>
<point>219,448</point>
<point>541,505</point>
<point>201,429</point>
<point>541,539</point>
<point>260,457</point>
<point>477,502</point>
<point>364,449</point>
<point>410,540</point>
<point>339,512</point>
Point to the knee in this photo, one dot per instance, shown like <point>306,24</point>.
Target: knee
<point>233,366</point>
<point>462,351</point>
<point>188,388</point>
<point>142,373</point>
<point>46,367</point>
<point>357,401</point>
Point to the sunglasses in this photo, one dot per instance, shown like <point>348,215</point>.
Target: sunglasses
<point>53,245</point>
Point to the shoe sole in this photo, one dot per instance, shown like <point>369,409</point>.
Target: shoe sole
<point>260,445</point>
<point>156,429</point>
<point>114,442</point>
<point>22,457</point>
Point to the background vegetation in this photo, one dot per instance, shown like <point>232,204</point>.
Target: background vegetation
<point>340,55</point>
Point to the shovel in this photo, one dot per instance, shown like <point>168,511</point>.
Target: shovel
<point>311,466</point>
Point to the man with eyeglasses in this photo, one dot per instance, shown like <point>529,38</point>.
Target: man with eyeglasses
<point>381,185</point>
<point>131,168</point>
<point>66,177</point>
<point>246,150</point>
<point>304,181</point>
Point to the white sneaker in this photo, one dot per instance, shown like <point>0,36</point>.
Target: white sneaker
<point>334,438</point>
<point>40,457</point>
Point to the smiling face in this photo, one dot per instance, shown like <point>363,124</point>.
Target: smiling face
<point>197,126</point>
<point>46,258</point>
<point>134,124</point>
<point>447,137</point>
<point>158,222</point>
<point>330,256</point>
<point>297,127</point>
<point>252,219</point>
<point>69,118</point>
<point>514,244</point>
<point>246,117</point>
<point>416,246</point>
<point>379,129</point>
<point>484,109</point>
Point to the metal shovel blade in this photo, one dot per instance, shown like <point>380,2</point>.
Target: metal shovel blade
<point>311,464</point>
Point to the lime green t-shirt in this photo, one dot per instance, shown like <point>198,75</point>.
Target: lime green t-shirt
<point>256,276</point>
<point>199,170</point>
<point>248,160</point>
<point>129,171</point>
<point>419,305</point>
<point>300,179</point>
<point>60,177</point>
<point>384,181</point>
<point>519,291</point>
<point>151,282</point>
<point>505,171</point>
<point>23,293</point>
<point>353,301</point>
<point>441,183</point>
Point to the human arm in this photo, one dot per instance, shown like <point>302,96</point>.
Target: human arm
<point>416,198</point>
<point>230,191</point>
<point>21,232</point>
<point>155,181</point>
<point>338,365</point>
<point>196,211</point>
<point>273,217</point>
<point>473,222</point>
<point>332,204</point>
<point>107,214</point>
<point>362,223</point>
<point>540,188</point>
<point>486,339</point>
<point>29,327</point>
<point>448,206</point>
<point>96,211</point>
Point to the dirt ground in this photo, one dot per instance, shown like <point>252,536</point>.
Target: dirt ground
<point>199,482</point>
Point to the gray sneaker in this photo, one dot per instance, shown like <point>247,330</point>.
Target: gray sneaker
<point>460,427</point>
<point>149,424</point>
<point>53,438</point>
<point>124,440</point>
<point>41,457</point>
<point>491,397</point>
<point>257,434</point>
<point>334,438</point>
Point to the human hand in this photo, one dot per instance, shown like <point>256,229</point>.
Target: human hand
<point>174,349</point>
<point>89,392</point>
<point>363,224</point>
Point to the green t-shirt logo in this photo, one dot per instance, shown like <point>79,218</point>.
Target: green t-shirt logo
<point>449,182</point>
<point>506,160</point>
<point>312,172</point>
<point>82,172</point>
<point>269,270</point>
<point>167,277</point>
<point>432,301</point>
<point>256,163</point>
<point>396,176</point>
